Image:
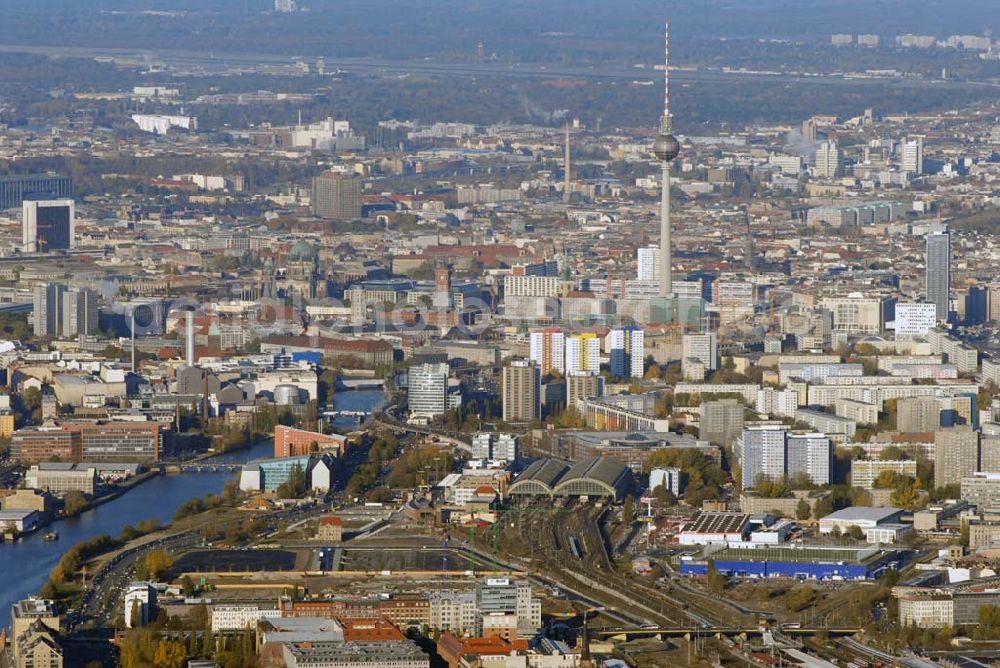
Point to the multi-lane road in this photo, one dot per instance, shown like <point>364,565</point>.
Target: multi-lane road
<point>108,585</point>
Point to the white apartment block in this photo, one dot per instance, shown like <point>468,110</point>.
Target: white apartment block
<point>761,450</point>
<point>667,477</point>
<point>780,403</point>
<point>530,286</point>
<point>827,160</point>
<point>827,422</point>
<point>548,350</point>
<point>859,411</point>
<point>239,617</point>
<point>648,260</point>
<point>929,611</point>
<point>627,351</point>
<point>915,319</point>
<point>991,371</point>
<point>141,598</point>
<point>454,611</point>
<point>912,159</point>
<point>701,347</point>
<point>813,373</point>
<point>583,353</point>
<point>856,313</point>
<point>809,454</point>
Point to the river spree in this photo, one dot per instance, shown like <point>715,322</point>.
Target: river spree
<point>356,400</point>
<point>26,563</point>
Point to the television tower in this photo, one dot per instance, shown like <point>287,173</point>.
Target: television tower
<point>666,148</point>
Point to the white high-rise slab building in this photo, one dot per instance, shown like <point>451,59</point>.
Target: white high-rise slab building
<point>547,349</point>
<point>915,319</point>
<point>913,156</point>
<point>761,450</point>
<point>702,347</point>
<point>648,260</point>
<point>583,353</point>
<point>773,451</point>
<point>827,160</point>
<point>428,388</point>
<point>627,349</point>
<point>140,604</point>
<point>781,403</point>
<point>809,454</point>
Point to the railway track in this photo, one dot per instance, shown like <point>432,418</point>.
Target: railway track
<point>572,539</point>
<point>690,608</point>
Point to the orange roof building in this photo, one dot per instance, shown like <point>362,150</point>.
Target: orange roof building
<point>370,630</point>
<point>453,649</point>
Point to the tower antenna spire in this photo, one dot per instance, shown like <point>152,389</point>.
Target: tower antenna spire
<point>666,148</point>
<point>666,120</point>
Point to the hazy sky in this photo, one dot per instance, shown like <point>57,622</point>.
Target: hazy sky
<point>528,29</point>
<point>702,17</point>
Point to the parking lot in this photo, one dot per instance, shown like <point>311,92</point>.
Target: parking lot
<point>234,561</point>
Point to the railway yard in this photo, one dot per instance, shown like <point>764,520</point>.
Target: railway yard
<point>578,541</point>
<point>577,554</point>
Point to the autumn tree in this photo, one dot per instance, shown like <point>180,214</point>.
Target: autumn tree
<point>893,453</point>
<point>155,565</point>
<point>170,654</point>
<point>906,494</point>
<point>199,618</point>
<point>74,503</point>
<point>802,510</point>
<point>716,580</point>
<point>628,510</point>
<point>768,487</point>
<point>703,477</point>
<point>988,623</point>
<point>664,496</point>
<point>295,486</point>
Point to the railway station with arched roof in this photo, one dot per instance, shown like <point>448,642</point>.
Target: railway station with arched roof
<point>539,478</point>
<point>593,477</point>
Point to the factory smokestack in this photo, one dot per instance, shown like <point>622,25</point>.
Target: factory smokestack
<point>189,338</point>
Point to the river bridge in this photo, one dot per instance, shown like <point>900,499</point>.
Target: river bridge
<point>202,467</point>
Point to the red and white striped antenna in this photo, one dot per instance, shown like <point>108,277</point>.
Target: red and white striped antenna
<point>666,74</point>
<point>666,68</point>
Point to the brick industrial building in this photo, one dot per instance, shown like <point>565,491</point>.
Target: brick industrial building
<point>73,442</point>
<point>290,442</point>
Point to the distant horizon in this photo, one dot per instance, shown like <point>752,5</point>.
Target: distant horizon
<point>720,18</point>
